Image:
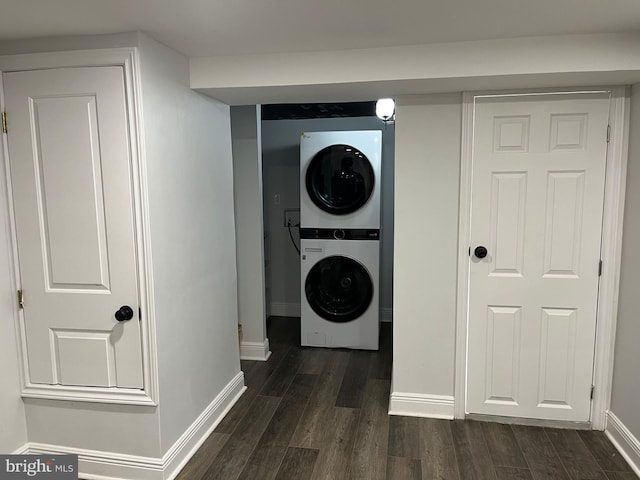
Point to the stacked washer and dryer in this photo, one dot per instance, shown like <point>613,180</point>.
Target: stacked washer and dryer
<point>340,238</point>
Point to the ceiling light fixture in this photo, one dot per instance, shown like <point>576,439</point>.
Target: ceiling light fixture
<point>385,109</point>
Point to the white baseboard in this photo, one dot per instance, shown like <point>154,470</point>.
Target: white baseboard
<point>421,405</point>
<point>386,314</point>
<point>97,465</point>
<point>23,450</point>
<point>626,443</point>
<point>281,309</point>
<point>182,450</point>
<point>255,350</point>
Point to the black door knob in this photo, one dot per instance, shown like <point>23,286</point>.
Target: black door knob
<point>124,313</point>
<point>480,252</point>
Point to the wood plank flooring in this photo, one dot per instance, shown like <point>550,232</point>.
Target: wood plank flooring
<point>322,414</point>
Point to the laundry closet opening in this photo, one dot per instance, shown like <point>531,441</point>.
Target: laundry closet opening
<point>279,132</point>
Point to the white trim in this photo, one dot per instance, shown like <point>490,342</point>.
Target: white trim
<point>386,314</point>
<point>421,405</point>
<point>143,229</point>
<point>186,446</point>
<point>14,272</point>
<point>97,465</point>
<point>129,396</point>
<point>23,450</point>
<point>255,350</point>
<point>462,302</point>
<point>94,464</point>
<point>624,441</point>
<point>65,59</point>
<point>610,250</point>
<point>611,254</point>
<point>128,59</point>
<point>283,309</point>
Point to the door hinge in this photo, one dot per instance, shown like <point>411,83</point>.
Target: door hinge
<point>4,122</point>
<point>608,133</point>
<point>20,300</point>
<point>600,268</point>
<point>593,387</point>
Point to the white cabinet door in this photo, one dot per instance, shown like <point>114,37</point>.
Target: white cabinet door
<point>537,202</point>
<point>70,169</point>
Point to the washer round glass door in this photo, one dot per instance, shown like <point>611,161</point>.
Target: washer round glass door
<point>339,289</point>
<point>340,179</point>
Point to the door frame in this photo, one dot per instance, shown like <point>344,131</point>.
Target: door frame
<point>128,59</point>
<point>611,247</point>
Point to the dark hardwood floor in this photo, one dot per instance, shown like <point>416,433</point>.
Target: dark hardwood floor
<point>313,413</point>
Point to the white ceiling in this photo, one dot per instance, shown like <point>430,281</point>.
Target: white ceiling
<point>215,27</point>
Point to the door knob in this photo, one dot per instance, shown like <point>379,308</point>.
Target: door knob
<point>480,252</point>
<point>124,313</point>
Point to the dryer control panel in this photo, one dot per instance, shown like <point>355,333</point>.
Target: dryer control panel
<point>340,233</point>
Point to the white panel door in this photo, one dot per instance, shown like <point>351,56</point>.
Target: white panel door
<point>537,200</point>
<point>71,179</point>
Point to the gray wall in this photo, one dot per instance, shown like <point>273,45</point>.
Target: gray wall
<point>247,193</point>
<point>281,174</point>
<point>625,396</point>
<point>190,192</point>
<point>427,163</point>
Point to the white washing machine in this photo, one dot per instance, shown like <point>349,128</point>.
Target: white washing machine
<point>340,179</point>
<point>340,294</point>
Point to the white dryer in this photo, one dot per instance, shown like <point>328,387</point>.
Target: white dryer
<point>340,294</point>
<point>340,179</point>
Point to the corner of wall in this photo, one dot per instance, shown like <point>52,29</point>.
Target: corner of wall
<point>249,238</point>
<point>624,425</point>
<point>258,351</point>
<point>624,441</point>
<point>427,170</point>
<point>421,405</point>
<point>190,201</point>
<point>186,446</point>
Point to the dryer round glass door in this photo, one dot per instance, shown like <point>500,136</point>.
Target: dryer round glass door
<point>339,289</point>
<point>339,179</point>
